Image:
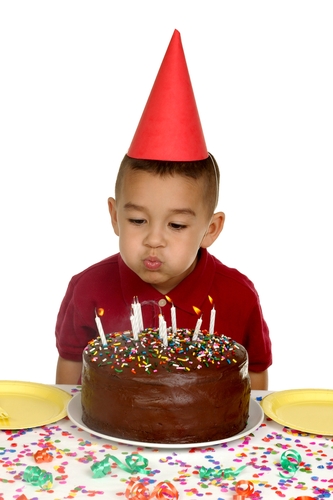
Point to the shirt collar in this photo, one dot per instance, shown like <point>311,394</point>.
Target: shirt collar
<point>191,291</point>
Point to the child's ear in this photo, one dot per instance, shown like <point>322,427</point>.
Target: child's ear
<point>214,229</point>
<point>114,215</point>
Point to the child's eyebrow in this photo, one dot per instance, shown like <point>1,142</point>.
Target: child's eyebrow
<point>186,211</point>
<point>175,211</point>
<point>133,206</point>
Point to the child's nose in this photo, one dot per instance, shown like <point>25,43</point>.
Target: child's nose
<point>154,237</point>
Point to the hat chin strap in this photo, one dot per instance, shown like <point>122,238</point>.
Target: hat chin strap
<point>216,180</point>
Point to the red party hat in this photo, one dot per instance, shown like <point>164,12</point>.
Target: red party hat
<point>170,127</point>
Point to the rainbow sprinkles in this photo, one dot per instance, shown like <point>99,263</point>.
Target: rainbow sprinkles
<point>149,353</point>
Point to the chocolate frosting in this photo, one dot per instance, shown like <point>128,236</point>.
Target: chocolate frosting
<point>185,392</point>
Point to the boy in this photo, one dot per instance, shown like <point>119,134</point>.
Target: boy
<point>163,213</point>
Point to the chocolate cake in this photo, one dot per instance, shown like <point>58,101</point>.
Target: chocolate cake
<point>184,392</point>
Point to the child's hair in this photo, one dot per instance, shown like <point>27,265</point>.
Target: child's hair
<point>206,169</point>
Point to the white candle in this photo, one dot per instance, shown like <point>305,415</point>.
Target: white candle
<point>160,325</point>
<point>212,321</point>
<point>138,305</point>
<point>138,312</point>
<point>197,329</point>
<point>173,319</point>
<point>173,316</point>
<point>135,329</point>
<point>100,329</point>
<point>163,334</point>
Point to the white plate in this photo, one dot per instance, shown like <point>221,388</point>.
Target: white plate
<point>255,419</point>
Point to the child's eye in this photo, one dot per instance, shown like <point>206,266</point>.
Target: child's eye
<point>178,227</point>
<point>137,222</point>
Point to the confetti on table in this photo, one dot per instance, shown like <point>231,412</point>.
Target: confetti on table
<point>74,452</point>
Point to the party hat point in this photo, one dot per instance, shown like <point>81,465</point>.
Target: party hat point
<point>170,127</point>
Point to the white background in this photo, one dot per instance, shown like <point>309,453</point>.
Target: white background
<point>75,76</point>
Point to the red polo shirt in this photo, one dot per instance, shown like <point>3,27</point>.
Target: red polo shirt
<point>111,285</point>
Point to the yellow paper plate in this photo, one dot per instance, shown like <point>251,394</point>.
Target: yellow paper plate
<point>307,410</point>
<point>29,404</point>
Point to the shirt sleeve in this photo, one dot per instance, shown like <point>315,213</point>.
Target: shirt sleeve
<point>258,342</point>
<point>73,331</point>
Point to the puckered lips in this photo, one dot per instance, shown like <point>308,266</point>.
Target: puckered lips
<point>152,263</point>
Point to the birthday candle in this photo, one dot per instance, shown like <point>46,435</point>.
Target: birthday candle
<point>138,311</point>
<point>163,335</point>
<point>173,319</point>
<point>212,317</point>
<point>198,325</point>
<point>212,321</point>
<point>173,316</point>
<point>197,329</point>
<point>134,324</point>
<point>160,325</point>
<point>100,329</point>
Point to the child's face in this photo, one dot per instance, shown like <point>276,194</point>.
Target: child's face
<point>161,223</point>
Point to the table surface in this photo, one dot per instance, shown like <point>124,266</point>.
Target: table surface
<point>75,451</point>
